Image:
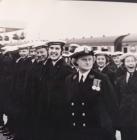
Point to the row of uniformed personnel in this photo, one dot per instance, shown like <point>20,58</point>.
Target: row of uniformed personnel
<point>44,98</point>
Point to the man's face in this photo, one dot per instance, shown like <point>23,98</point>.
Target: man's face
<point>85,63</point>
<point>42,54</point>
<point>55,52</point>
<point>116,60</point>
<point>130,63</point>
<point>101,60</point>
<point>24,52</point>
<point>32,53</point>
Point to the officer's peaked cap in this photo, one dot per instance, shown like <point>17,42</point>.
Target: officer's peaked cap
<point>82,51</point>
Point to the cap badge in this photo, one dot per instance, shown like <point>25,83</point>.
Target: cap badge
<point>86,50</point>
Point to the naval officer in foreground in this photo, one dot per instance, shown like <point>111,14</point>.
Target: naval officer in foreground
<point>91,104</point>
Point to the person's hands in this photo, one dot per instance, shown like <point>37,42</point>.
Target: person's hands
<point>5,118</point>
<point>118,135</point>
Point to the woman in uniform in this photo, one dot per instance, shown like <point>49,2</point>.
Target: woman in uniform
<point>91,104</point>
<point>103,65</point>
<point>118,67</point>
<point>127,93</point>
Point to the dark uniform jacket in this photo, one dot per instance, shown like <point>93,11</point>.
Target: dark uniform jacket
<point>5,82</point>
<point>36,102</point>
<point>53,96</point>
<point>19,84</point>
<point>127,93</point>
<point>20,97</point>
<point>90,111</point>
<point>6,68</point>
<point>117,71</point>
<point>121,70</point>
<point>108,71</point>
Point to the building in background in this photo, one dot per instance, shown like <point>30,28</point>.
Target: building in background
<point>11,35</point>
<point>12,32</point>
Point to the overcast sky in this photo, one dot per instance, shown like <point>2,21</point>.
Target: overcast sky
<point>54,19</point>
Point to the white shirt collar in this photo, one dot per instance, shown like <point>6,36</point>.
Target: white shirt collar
<point>18,59</point>
<point>101,68</point>
<point>33,60</point>
<point>119,65</point>
<point>127,77</point>
<point>85,74</point>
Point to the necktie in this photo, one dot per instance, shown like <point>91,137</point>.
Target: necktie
<point>130,77</point>
<point>81,80</point>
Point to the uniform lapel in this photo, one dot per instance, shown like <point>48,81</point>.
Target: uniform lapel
<point>89,79</point>
<point>74,86</point>
<point>58,66</point>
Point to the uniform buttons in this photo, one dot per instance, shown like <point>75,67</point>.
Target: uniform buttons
<point>84,125</point>
<point>82,103</point>
<point>74,124</point>
<point>83,114</point>
<point>72,104</point>
<point>73,114</point>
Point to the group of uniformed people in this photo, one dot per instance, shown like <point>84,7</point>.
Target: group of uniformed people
<point>87,97</point>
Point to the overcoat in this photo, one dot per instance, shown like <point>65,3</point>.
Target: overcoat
<point>5,81</point>
<point>20,98</point>
<point>127,95</point>
<point>52,99</point>
<point>36,90</point>
<point>108,71</point>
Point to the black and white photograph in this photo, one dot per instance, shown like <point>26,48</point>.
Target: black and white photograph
<point>68,70</point>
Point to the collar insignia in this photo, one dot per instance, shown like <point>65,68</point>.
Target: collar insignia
<point>86,50</point>
<point>91,76</point>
